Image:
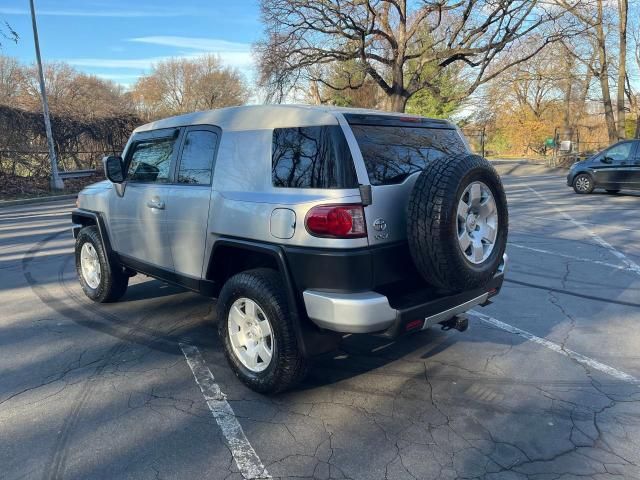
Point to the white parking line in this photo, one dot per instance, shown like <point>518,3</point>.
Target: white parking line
<point>589,362</point>
<point>633,266</point>
<point>246,459</point>
<point>564,255</point>
<point>550,219</point>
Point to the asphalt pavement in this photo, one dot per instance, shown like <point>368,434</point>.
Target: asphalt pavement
<point>544,385</point>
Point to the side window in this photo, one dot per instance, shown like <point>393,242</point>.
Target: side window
<point>621,152</point>
<point>151,160</point>
<point>196,162</point>
<point>312,157</point>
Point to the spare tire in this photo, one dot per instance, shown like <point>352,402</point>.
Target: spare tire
<point>457,222</point>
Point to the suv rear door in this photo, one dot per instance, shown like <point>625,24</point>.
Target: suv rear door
<point>137,219</point>
<point>190,196</point>
<point>394,150</point>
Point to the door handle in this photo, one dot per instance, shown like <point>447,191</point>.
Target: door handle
<point>157,204</point>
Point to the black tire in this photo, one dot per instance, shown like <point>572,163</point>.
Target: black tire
<point>577,186</point>
<point>613,191</point>
<point>288,366</point>
<point>113,281</point>
<point>432,226</point>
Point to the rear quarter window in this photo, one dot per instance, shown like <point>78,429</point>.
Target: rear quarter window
<point>392,153</point>
<point>312,157</point>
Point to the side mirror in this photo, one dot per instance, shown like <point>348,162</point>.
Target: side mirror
<point>114,168</point>
<point>606,159</point>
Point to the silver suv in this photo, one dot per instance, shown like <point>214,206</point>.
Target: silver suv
<point>304,222</point>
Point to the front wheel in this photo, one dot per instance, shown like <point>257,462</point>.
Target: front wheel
<point>583,183</point>
<point>101,280</point>
<point>256,328</point>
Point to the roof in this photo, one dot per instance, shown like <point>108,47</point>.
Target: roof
<point>258,117</point>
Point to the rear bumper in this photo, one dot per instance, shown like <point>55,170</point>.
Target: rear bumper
<point>371,312</point>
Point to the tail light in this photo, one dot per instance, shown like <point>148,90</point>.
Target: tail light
<point>336,221</point>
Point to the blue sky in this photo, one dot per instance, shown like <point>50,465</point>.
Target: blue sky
<point>120,40</point>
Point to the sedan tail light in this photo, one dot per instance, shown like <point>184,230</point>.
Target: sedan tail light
<point>336,221</point>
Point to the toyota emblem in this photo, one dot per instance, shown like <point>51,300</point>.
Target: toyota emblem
<point>379,224</point>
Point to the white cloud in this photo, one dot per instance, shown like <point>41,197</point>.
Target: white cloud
<point>137,63</point>
<point>233,54</point>
<point>195,43</point>
<point>123,13</point>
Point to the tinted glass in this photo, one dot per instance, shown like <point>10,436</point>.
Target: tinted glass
<point>392,153</point>
<point>312,157</point>
<point>151,160</point>
<point>196,162</point>
<point>621,152</point>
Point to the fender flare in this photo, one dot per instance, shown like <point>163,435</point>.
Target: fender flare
<point>311,340</point>
<point>79,217</point>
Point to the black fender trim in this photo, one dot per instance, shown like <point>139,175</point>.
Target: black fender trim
<point>96,218</point>
<point>312,340</point>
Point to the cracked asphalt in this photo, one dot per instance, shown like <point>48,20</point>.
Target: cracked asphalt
<point>103,391</point>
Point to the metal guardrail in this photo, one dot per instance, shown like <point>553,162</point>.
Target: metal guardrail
<point>77,173</point>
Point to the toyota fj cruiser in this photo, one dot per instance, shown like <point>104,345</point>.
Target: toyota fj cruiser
<point>306,223</point>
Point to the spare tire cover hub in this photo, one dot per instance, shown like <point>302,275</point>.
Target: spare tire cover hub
<point>477,222</point>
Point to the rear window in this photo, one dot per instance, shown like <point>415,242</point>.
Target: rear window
<point>392,153</point>
<point>312,157</point>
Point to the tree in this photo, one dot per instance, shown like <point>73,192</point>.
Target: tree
<point>181,85</point>
<point>386,36</point>
<point>8,33</point>
<point>11,80</point>
<point>442,95</point>
<point>623,12</point>
<point>598,18</point>
<point>346,85</point>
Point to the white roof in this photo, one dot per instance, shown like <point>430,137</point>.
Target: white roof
<point>258,117</point>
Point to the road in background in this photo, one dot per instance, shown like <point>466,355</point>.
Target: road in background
<point>104,391</point>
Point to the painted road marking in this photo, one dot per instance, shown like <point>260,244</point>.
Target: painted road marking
<point>550,219</point>
<point>564,255</point>
<point>589,362</point>
<point>633,266</point>
<point>243,453</point>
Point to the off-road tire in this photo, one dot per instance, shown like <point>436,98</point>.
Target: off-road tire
<point>265,287</point>
<point>587,177</point>
<point>432,227</point>
<point>113,280</point>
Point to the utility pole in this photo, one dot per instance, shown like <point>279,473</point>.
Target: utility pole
<point>56,181</point>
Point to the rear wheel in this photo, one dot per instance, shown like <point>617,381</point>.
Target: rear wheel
<point>101,280</point>
<point>256,328</point>
<point>583,183</point>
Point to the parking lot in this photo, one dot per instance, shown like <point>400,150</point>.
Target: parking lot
<point>544,385</point>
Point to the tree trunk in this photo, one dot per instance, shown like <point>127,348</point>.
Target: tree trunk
<point>567,128</point>
<point>603,76</point>
<point>396,102</point>
<point>638,127</point>
<point>623,9</point>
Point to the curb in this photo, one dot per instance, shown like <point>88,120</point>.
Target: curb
<point>28,201</point>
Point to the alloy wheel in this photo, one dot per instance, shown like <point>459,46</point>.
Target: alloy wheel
<point>250,334</point>
<point>477,222</point>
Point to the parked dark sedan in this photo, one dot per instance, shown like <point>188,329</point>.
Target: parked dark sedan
<point>615,168</point>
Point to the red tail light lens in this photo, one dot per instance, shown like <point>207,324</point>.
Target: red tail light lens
<point>336,221</point>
